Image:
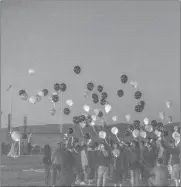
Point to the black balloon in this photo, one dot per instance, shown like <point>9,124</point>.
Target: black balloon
<point>82,118</point>
<point>95,96</point>
<point>154,123</point>
<point>55,98</point>
<point>103,102</point>
<point>90,86</point>
<point>95,101</point>
<point>100,114</point>
<point>63,87</point>
<point>142,103</point>
<point>138,95</point>
<point>56,87</point>
<point>70,131</point>
<point>77,70</point>
<point>99,88</point>
<point>120,93</point>
<point>22,92</point>
<point>136,124</point>
<point>131,128</point>
<point>66,111</point>
<point>124,79</point>
<point>127,133</point>
<point>104,95</point>
<point>75,120</point>
<point>89,119</point>
<point>160,126</point>
<point>45,92</point>
<point>139,108</point>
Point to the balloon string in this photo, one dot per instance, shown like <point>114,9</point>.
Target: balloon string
<point>94,130</point>
<point>117,138</point>
<point>106,141</point>
<point>81,131</point>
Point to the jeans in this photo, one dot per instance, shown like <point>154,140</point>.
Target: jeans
<point>135,177</point>
<point>55,167</point>
<point>102,175</point>
<point>47,173</point>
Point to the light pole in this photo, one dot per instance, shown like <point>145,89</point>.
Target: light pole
<point>10,103</point>
<point>61,114</point>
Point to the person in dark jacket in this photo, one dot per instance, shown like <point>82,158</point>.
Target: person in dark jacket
<point>67,177</point>
<point>47,162</point>
<point>104,159</point>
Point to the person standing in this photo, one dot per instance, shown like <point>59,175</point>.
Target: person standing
<point>47,162</point>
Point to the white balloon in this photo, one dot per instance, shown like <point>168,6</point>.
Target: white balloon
<point>107,108</point>
<point>143,134</point>
<point>102,134</point>
<point>86,108</point>
<point>69,103</point>
<point>94,118</point>
<point>16,136</point>
<point>146,121</point>
<point>176,136</point>
<point>114,118</point>
<point>92,123</point>
<point>31,71</point>
<point>134,84</point>
<point>82,124</point>
<point>148,128</point>
<point>128,117</point>
<point>114,130</point>
<point>168,104</point>
<point>135,133</point>
<point>158,133</point>
<point>40,93</point>
<point>162,115</point>
<point>169,118</point>
<point>32,100</point>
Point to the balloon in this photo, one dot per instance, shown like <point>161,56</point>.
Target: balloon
<point>93,118</point>
<point>142,103</point>
<point>32,100</point>
<point>45,92</point>
<point>114,130</point>
<point>158,133</point>
<point>89,119</point>
<point>134,84</point>
<point>162,115</point>
<point>52,111</point>
<point>160,126</point>
<point>104,95</point>
<point>70,131</point>
<point>99,88</point>
<point>165,133</point>
<point>131,128</point>
<point>100,114</point>
<point>154,123</point>
<point>63,87</point>
<point>176,136</point>
<point>169,119</point>
<point>77,70</point>
<point>86,108</point>
<point>16,136</point>
<point>82,125</point>
<point>31,71</point>
<point>146,121</point>
<point>66,111</point>
<point>138,95</point>
<point>139,108</point>
<point>82,117</point>
<point>114,118</point>
<point>116,152</point>
<point>22,92</point>
<point>40,93</point>
<point>69,103</point>
<point>56,87</point>
<point>136,124</point>
<point>102,134</point>
<point>120,93</point>
<point>95,96</point>
<point>107,108</point>
<point>90,86</point>
<point>128,117</point>
<point>55,98</point>
<point>92,123</point>
<point>135,133</point>
<point>103,102</point>
<point>76,120</point>
<point>95,101</point>
<point>24,96</point>
<point>96,111</point>
<point>124,79</point>
<point>168,104</point>
<point>143,134</point>
<point>148,128</point>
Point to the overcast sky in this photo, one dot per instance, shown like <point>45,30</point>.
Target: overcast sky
<point>106,38</point>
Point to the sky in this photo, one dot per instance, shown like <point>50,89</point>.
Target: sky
<point>107,39</point>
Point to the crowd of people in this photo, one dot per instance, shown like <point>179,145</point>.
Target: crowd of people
<point>127,163</point>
